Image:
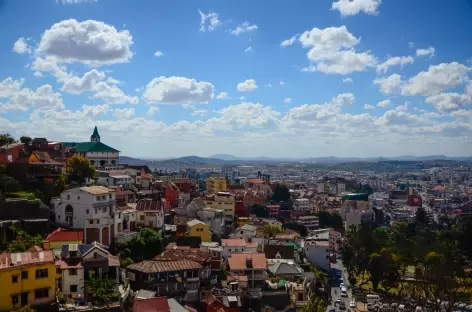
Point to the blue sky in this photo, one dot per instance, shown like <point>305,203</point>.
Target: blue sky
<point>174,78</point>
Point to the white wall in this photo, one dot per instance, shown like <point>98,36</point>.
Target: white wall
<point>68,280</point>
<point>318,255</point>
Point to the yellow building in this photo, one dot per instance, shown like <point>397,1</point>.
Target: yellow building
<point>242,221</point>
<point>200,229</point>
<point>224,201</point>
<point>27,278</point>
<point>59,237</point>
<point>216,184</point>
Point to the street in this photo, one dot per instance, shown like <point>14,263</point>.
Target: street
<point>336,290</point>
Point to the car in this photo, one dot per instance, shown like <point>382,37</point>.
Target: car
<point>342,307</point>
<point>338,300</point>
<point>352,304</point>
<point>342,303</point>
<point>342,284</point>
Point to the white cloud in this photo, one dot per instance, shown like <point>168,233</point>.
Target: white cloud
<point>247,85</point>
<point>21,46</point>
<point>268,85</point>
<point>436,79</point>
<point>209,21</point>
<point>332,51</point>
<point>397,60</point>
<point>42,98</point>
<point>447,102</point>
<point>348,80</point>
<point>242,28</point>
<point>402,107</point>
<point>248,49</point>
<point>290,41</point>
<point>111,94</point>
<point>9,86</point>
<point>88,42</point>
<point>288,100</point>
<point>353,7</point>
<point>74,1</point>
<point>222,95</point>
<point>199,112</point>
<point>425,52</point>
<point>282,83</point>
<point>389,84</point>
<point>178,90</point>
<point>368,106</point>
<point>123,113</point>
<point>95,110</point>
<point>462,113</point>
<point>242,98</point>
<point>113,80</point>
<point>384,103</point>
<point>152,110</point>
<point>158,53</point>
<point>38,74</point>
<point>78,85</point>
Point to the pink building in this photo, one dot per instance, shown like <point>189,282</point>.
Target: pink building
<point>274,210</point>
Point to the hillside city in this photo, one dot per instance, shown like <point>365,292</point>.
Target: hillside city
<point>82,230</point>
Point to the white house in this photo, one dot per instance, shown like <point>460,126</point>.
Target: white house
<point>301,204</point>
<point>214,218</point>
<point>318,253</point>
<point>92,209</point>
<point>246,232</point>
<point>237,245</point>
<point>150,212</point>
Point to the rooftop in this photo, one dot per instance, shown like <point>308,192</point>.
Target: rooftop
<point>85,147</point>
<point>238,261</point>
<point>151,266</point>
<point>64,235</point>
<point>14,260</point>
<point>158,304</point>
<point>195,222</point>
<point>95,190</point>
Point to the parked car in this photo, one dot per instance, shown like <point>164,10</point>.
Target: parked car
<point>352,304</point>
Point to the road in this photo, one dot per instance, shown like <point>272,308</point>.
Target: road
<point>336,291</point>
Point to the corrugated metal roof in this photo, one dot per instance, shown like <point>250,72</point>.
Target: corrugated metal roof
<point>164,266</point>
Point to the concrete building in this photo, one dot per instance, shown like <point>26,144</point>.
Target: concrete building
<point>214,218</point>
<point>237,245</point>
<point>301,204</point>
<point>317,252</point>
<point>310,222</point>
<point>216,184</point>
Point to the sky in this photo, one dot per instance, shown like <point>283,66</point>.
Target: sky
<point>360,78</point>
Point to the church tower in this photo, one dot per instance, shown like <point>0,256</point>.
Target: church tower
<point>95,137</point>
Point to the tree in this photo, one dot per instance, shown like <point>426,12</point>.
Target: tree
<point>297,227</point>
<point>26,140</point>
<point>9,184</point>
<point>330,220</point>
<point>23,241</point>
<point>6,138</point>
<point>314,304</point>
<point>143,247</point>
<point>259,210</point>
<point>25,308</point>
<point>272,229</point>
<point>103,289</point>
<point>79,169</point>
<point>61,182</point>
<point>281,193</point>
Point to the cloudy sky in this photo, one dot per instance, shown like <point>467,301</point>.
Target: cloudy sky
<point>248,78</point>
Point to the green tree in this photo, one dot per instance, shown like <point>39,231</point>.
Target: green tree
<point>26,140</point>
<point>314,304</point>
<point>103,289</point>
<point>281,193</point>
<point>272,229</point>
<point>144,247</point>
<point>297,227</point>
<point>259,210</point>
<point>9,184</point>
<point>23,241</point>
<point>79,169</point>
<point>61,182</point>
<point>330,220</point>
<point>25,308</point>
<point>6,138</point>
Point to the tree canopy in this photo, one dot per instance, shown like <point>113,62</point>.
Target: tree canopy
<point>259,210</point>
<point>314,304</point>
<point>23,241</point>
<point>272,229</point>
<point>281,193</point>
<point>103,289</point>
<point>6,138</point>
<point>26,140</point>
<point>146,246</point>
<point>79,169</point>
<point>332,220</point>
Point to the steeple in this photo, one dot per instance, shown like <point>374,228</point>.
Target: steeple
<point>95,136</point>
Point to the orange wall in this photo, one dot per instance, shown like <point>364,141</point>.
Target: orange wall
<point>15,152</point>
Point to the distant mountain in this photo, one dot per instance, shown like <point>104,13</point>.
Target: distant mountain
<point>192,160</point>
<point>224,157</point>
<point>133,161</point>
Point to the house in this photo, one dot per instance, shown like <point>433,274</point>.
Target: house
<point>253,197</point>
<point>216,184</point>
<point>158,304</point>
<point>274,210</point>
<point>79,262</point>
<point>240,210</point>
<point>151,212</point>
<point>214,218</point>
<point>198,228</point>
<point>245,232</point>
<point>178,279</point>
<point>285,270</point>
<point>216,254</point>
<point>279,251</point>
<point>225,201</point>
<point>59,237</point>
<point>223,303</point>
<point>301,205</point>
<point>237,245</point>
<point>196,205</point>
<point>253,265</point>
<point>91,209</point>
<point>171,193</point>
<point>27,278</point>
<point>310,222</point>
<point>10,153</point>
<point>317,252</point>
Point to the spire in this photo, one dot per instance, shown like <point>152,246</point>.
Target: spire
<point>95,136</point>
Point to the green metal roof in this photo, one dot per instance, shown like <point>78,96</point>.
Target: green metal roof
<point>90,147</point>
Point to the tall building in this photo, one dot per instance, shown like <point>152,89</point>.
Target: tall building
<point>216,184</point>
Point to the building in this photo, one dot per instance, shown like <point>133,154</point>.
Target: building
<point>237,245</point>
<point>198,228</point>
<point>100,155</point>
<point>151,212</point>
<point>10,153</point>
<point>310,222</point>
<point>214,218</point>
<point>273,210</point>
<point>252,265</point>
<point>91,209</point>
<point>216,184</point>
<point>317,252</point>
<point>246,232</point>
<point>223,303</point>
<point>301,205</point>
<point>224,201</point>
<point>321,187</point>
<point>59,237</point>
<point>27,278</point>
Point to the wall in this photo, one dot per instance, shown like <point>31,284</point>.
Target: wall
<point>68,280</point>
<point>201,231</point>
<point>318,255</point>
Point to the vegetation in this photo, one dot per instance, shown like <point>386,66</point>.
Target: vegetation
<point>79,169</point>
<point>26,140</point>
<point>61,182</point>
<point>103,289</point>
<point>427,263</point>
<point>22,194</point>
<point>25,308</point>
<point>297,227</point>
<point>314,304</point>
<point>9,184</point>
<point>272,229</point>
<point>143,247</point>
<point>23,241</point>
<point>281,193</point>
<point>6,138</point>
<point>259,210</point>
<point>333,220</point>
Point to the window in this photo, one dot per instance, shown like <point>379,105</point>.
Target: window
<point>98,198</point>
<point>68,196</point>
<point>91,221</point>
<point>96,210</point>
<point>72,271</point>
<point>41,293</point>
<point>24,275</point>
<point>98,221</point>
<point>104,209</point>
<point>104,197</point>
<point>58,217</point>
<point>41,273</point>
<point>141,217</point>
<point>87,211</point>
<point>14,279</point>
<point>73,288</point>
<point>15,299</point>
<point>58,271</point>
<point>78,197</point>
<point>24,298</point>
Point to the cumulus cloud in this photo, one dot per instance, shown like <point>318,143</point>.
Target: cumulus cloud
<point>123,113</point>
<point>353,7</point>
<point>247,85</point>
<point>447,102</point>
<point>95,110</point>
<point>368,106</point>
<point>152,110</point>
<point>88,42</point>
<point>243,28</point>
<point>290,41</point>
<point>389,84</point>
<point>348,80</point>
<point>178,90</point>
<point>9,86</point>
<point>209,21</point>
<point>288,100</point>
<point>111,94</point>
<point>222,95</point>
<point>158,53</point>
<point>21,46</point>
<point>332,51</point>
<point>384,103</point>
<point>425,52</point>
<point>397,60</point>
<point>42,98</point>
<point>78,85</point>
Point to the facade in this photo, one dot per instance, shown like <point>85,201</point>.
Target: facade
<point>224,201</point>
<point>151,212</point>
<point>310,222</point>
<point>252,265</point>
<point>27,278</point>
<point>214,218</point>
<point>10,153</point>
<point>301,205</point>
<point>274,211</point>
<point>59,237</point>
<point>237,245</point>
<point>318,253</point>
<point>216,184</point>
<point>246,232</point>
<point>91,209</point>
<point>198,228</point>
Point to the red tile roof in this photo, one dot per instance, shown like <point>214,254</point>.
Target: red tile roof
<point>237,261</point>
<point>64,235</point>
<point>158,304</point>
<point>164,266</point>
<point>17,259</point>
<point>233,242</point>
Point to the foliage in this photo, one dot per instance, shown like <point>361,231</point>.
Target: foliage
<point>25,308</point>
<point>61,182</point>
<point>281,193</point>
<point>314,304</point>
<point>321,276</point>
<point>6,138</point>
<point>22,194</point>
<point>61,298</point>
<point>103,289</point>
<point>333,220</point>
<point>272,229</point>
<point>259,210</point>
<point>9,184</point>
<point>26,140</point>
<point>297,227</point>
<point>23,241</point>
<point>79,169</point>
<point>144,247</point>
